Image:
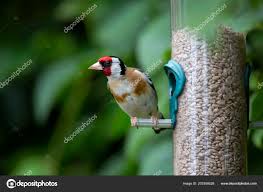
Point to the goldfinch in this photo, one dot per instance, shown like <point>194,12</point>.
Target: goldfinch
<point>132,89</point>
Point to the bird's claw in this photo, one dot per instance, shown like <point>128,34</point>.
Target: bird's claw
<point>155,122</point>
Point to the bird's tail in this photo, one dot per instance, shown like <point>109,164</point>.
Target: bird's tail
<point>158,130</point>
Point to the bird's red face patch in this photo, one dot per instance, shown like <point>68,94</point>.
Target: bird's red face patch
<point>107,71</point>
<point>105,59</point>
<point>106,65</point>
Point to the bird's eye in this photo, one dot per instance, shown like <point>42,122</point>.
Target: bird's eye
<point>107,64</point>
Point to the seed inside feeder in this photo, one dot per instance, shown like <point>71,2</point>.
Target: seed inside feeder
<point>210,134</point>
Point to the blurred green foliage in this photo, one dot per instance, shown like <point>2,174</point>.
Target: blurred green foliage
<point>56,93</point>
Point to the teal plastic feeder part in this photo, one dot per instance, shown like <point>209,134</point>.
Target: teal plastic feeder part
<point>177,80</point>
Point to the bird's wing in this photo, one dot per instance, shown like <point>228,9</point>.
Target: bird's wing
<point>149,81</point>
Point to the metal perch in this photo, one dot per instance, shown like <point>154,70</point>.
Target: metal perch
<point>162,123</point>
<point>167,123</point>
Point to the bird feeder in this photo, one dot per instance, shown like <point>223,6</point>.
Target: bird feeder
<point>208,86</point>
<point>210,133</point>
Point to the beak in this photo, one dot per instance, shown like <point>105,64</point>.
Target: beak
<point>97,66</point>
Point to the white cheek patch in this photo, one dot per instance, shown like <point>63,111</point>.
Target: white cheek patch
<point>115,60</point>
<point>115,67</point>
<point>115,70</point>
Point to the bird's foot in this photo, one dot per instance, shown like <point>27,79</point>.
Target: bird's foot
<point>134,122</point>
<point>155,122</point>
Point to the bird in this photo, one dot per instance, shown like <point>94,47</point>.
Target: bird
<point>132,89</point>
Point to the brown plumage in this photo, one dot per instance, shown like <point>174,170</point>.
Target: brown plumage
<point>135,79</point>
